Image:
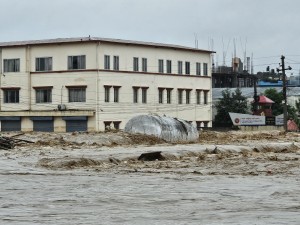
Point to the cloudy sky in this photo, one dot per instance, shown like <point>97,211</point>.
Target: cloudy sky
<point>266,28</point>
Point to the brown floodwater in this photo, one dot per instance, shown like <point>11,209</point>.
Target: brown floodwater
<point>30,194</point>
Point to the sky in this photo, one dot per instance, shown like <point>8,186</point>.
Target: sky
<point>267,29</point>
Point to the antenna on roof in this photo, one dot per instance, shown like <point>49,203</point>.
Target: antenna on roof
<point>244,48</point>
<point>252,63</point>
<point>211,48</point>
<point>196,40</point>
<point>234,47</point>
<point>225,51</point>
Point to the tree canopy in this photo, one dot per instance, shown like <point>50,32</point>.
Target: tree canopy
<point>277,98</point>
<point>277,107</point>
<point>230,102</point>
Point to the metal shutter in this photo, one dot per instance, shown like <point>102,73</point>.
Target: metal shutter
<point>43,123</point>
<point>76,123</point>
<point>12,123</point>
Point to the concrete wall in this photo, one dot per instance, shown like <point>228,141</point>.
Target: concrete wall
<point>260,128</point>
<point>125,109</point>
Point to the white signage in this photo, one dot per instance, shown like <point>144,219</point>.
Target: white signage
<point>247,119</point>
<point>279,120</point>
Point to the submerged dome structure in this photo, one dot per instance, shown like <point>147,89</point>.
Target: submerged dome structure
<point>167,128</point>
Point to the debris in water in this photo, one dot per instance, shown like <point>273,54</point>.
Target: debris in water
<point>114,160</point>
<point>10,142</point>
<point>6,143</point>
<point>151,156</point>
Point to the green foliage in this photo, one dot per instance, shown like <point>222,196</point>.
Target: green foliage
<point>293,112</point>
<point>298,105</point>
<point>277,98</point>
<point>277,107</point>
<point>230,102</point>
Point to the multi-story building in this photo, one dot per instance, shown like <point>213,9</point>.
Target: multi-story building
<point>88,84</point>
<point>233,77</point>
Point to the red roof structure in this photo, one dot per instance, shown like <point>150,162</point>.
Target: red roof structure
<point>265,100</point>
<point>264,107</point>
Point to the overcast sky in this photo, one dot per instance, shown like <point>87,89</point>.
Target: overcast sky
<point>266,28</point>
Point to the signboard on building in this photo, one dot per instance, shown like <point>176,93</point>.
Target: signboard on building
<point>247,119</point>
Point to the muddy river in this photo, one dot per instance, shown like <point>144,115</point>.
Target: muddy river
<point>185,191</point>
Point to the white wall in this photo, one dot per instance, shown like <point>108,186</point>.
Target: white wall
<point>126,54</point>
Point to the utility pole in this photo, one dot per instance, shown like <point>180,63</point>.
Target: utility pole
<point>283,69</point>
<point>255,96</point>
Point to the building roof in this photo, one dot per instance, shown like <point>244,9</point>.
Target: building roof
<point>97,39</point>
<point>265,100</point>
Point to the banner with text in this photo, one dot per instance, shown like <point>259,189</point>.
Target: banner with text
<point>247,119</point>
<point>279,120</point>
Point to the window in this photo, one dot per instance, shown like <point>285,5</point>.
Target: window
<point>198,97</point>
<point>180,91</point>
<point>11,65</point>
<point>77,94</point>
<point>198,68</point>
<point>107,62</point>
<point>106,93</point>
<point>160,95</point>
<point>160,65</point>
<point>11,95</point>
<point>76,62</point>
<point>187,67</point>
<point>43,95</point>
<point>116,62</point>
<point>198,123</point>
<point>205,97</point>
<point>117,124</point>
<point>116,93</point>
<point>187,96</point>
<point>179,67</point>
<point>135,94</point>
<point>201,124</point>
<point>43,64</point>
<point>169,66</point>
<point>169,95</point>
<point>144,95</point>
<point>144,64</point>
<point>108,125</point>
<point>135,64</point>
<point>205,70</point>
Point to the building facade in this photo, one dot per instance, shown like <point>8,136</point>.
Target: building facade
<point>234,76</point>
<point>89,84</point>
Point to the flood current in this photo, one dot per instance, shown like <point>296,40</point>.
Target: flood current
<point>37,196</point>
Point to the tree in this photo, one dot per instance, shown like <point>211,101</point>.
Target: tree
<point>277,98</point>
<point>230,102</point>
<point>277,107</point>
<point>298,105</point>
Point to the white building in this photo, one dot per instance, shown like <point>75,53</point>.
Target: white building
<point>79,84</point>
